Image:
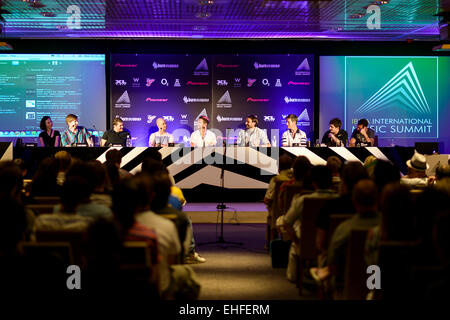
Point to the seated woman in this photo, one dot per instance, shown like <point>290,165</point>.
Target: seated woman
<point>48,137</point>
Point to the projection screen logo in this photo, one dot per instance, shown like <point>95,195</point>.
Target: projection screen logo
<point>405,106</point>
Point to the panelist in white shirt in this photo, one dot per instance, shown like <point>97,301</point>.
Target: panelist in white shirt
<point>253,136</point>
<point>293,136</point>
<point>160,138</point>
<point>203,137</point>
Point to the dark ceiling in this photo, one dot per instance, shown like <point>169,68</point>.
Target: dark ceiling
<point>247,19</point>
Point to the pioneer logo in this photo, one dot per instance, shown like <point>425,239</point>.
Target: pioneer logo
<point>219,65</point>
<point>265,66</point>
<point>292,83</point>
<point>257,100</point>
<point>118,65</point>
<point>290,100</point>
<point>156,100</point>
<point>194,100</point>
<point>164,66</point>
<point>191,83</point>
<point>121,83</point>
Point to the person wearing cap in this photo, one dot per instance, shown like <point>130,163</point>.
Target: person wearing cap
<point>203,137</point>
<point>253,136</point>
<point>417,167</point>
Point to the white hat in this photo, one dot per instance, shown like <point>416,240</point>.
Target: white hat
<point>418,162</point>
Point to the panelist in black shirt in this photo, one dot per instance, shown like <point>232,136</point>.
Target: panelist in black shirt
<point>48,137</point>
<point>335,136</point>
<point>115,136</point>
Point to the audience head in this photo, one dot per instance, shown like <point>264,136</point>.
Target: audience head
<point>11,180</point>
<point>114,156</point>
<point>365,196</point>
<point>369,164</point>
<point>75,190</point>
<point>161,186</point>
<point>64,160</point>
<point>441,236</point>
<point>285,163</point>
<point>385,172</point>
<point>321,177</point>
<point>131,196</point>
<point>352,172</point>
<point>152,166</point>
<point>443,171</point>
<point>301,166</point>
<point>13,223</point>
<point>44,180</point>
<point>335,165</point>
<point>22,165</point>
<point>417,165</point>
<point>98,176</point>
<point>398,213</point>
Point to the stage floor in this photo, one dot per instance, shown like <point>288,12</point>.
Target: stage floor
<point>236,212</point>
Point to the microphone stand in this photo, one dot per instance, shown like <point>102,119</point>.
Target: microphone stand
<point>221,205</point>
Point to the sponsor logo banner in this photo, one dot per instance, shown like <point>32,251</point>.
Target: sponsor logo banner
<point>225,101</point>
<point>266,66</point>
<point>120,82</point>
<point>149,99</point>
<point>194,100</point>
<point>229,119</point>
<point>123,101</point>
<point>118,65</point>
<point>157,65</point>
<point>303,68</point>
<point>192,83</point>
<point>257,100</point>
<point>220,65</point>
<point>291,100</point>
<point>202,69</point>
<point>150,118</point>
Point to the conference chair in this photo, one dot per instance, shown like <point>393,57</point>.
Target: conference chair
<point>307,251</point>
<point>274,213</point>
<point>355,275</point>
<point>136,262</point>
<point>59,250</point>
<point>291,191</point>
<point>47,200</point>
<point>40,208</point>
<point>77,241</point>
<point>395,260</point>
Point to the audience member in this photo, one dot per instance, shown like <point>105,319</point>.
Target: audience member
<point>417,167</point>
<point>64,160</point>
<point>365,202</point>
<point>321,180</point>
<point>384,173</point>
<point>335,166</point>
<point>44,180</point>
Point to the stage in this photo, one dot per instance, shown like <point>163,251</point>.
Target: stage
<point>197,171</point>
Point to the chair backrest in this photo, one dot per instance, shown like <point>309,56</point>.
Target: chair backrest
<point>375,141</point>
<point>275,208</point>
<point>335,220</point>
<point>61,250</point>
<point>47,200</point>
<point>355,278</point>
<point>135,254</point>
<point>41,208</point>
<point>395,260</point>
<point>291,191</point>
<point>77,241</point>
<point>311,208</point>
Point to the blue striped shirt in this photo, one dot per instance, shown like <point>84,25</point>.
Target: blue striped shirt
<point>68,138</point>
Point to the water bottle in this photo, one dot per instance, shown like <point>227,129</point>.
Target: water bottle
<point>128,143</point>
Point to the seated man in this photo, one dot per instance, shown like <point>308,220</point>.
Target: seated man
<point>362,136</point>
<point>66,218</point>
<point>335,136</point>
<point>293,136</point>
<point>417,167</point>
<point>115,136</point>
<point>365,201</point>
<point>203,137</point>
<point>74,134</point>
<point>160,138</point>
<point>321,180</point>
<point>253,136</point>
